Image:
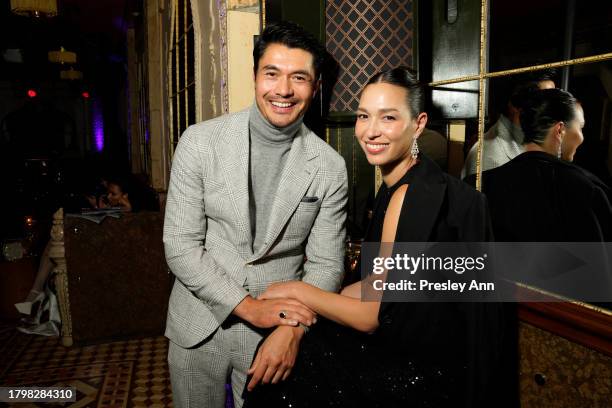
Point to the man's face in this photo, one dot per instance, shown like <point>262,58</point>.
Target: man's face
<point>546,84</point>
<point>285,84</point>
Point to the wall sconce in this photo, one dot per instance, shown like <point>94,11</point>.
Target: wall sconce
<point>62,56</point>
<point>71,74</point>
<point>34,8</point>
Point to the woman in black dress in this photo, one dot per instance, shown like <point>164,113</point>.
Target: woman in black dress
<point>540,196</point>
<point>395,354</point>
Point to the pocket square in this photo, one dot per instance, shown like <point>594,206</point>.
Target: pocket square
<point>307,199</point>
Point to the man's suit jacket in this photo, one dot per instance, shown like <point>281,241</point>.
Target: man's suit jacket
<point>502,143</point>
<point>207,233</point>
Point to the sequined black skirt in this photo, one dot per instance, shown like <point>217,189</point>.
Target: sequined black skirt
<point>339,367</point>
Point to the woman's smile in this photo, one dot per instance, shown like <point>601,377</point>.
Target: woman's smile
<point>375,148</point>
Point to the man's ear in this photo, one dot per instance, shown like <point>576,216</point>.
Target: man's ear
<point>420,122</point>
<point>317,87</point>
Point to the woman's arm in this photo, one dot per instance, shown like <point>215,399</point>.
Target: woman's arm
<point>348,311</point>
<point>347,308</point>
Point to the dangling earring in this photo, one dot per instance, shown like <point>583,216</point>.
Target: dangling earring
<point>561,134</point>
<point>414,151</point>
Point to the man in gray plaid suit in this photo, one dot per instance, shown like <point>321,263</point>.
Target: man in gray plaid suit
<point>255,197</point>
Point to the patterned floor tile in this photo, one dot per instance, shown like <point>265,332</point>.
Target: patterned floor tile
<point>122,374</point>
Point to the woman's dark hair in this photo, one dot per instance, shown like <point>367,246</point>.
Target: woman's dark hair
<point>122,181</point>
<point>406,78</point>
<point>543,109</point>
<point>141,196</point>
<point>290,35</point>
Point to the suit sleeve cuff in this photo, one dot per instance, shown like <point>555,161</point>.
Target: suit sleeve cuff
<point>231,299</point>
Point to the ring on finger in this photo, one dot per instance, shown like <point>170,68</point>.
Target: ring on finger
<point>282,314</point>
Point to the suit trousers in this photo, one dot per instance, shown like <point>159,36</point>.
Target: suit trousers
<point>199,374</point>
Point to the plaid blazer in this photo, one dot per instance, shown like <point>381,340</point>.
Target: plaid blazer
<point>207,234</point>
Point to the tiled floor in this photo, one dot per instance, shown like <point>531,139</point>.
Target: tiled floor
<point>130,373</point>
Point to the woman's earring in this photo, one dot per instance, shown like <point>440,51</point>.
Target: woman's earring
<point>561,134</point>
<point>414,151</point>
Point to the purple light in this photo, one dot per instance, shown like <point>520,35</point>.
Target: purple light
<point>120,24</point>
<point>146,126</point>
<point>98,125</point>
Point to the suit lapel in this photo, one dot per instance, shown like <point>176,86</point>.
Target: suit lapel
<point>297,175</point>
<point>233,156</point>
<point>422,203</point>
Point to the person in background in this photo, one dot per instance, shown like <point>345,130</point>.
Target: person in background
<point>122,191</point>
<point>129,194</point>
<point>540,196</point>
<point>503,141</point>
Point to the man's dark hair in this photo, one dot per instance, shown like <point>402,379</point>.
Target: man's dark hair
<point>543,109</point>
<point>406,78</point>
<point>291,35</point>
<point>525,84</point>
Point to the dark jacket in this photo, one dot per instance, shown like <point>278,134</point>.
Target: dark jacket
<point>538,198</point>
<point>440,208</point>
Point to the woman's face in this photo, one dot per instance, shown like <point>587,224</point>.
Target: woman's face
<point>385,127</point>
<point>573,135</point>
<point>116,197</point>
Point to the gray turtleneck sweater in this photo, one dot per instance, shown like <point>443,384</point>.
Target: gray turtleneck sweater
<point>269,149</point>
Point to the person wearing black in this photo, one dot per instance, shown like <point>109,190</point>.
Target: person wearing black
<point>380,353</point>
<point>540,196</point>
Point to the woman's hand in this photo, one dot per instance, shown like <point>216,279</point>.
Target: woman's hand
<point>92,200</point>
<point>125,204</point>
<point>103,202</point>
<point>283,290</point>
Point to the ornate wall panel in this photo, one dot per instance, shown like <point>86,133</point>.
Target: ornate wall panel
<point>558,373</point>
<point>182,70</point>
<point>238,4</point>
<point>365,37</point>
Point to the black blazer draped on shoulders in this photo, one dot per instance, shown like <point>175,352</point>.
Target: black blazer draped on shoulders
<point>465,337</point>
<point>538,198</point>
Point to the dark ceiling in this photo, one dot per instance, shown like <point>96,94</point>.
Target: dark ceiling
<point>94,29</point>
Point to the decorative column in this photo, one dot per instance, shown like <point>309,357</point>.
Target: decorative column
<point>57,253</point>
<point>156,66</point>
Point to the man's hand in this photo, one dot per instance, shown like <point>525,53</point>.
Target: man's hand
<point>276,356</point>
<point>267,313</point>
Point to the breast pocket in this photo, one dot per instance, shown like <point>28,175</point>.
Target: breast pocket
<point>301,221</point>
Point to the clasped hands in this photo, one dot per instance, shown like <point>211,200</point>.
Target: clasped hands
<point>276,355</point>
<point>277,306</point>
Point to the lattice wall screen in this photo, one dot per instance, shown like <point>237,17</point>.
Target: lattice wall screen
<point>365,37</point>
